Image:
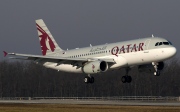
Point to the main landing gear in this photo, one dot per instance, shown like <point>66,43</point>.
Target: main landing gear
<point>89,79</point>
<point>126,78</point>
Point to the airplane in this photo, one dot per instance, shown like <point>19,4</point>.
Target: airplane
<point>148,54</point>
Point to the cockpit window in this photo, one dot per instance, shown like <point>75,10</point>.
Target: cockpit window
<point>166,43</point>
<point>162,43</point>
<point>170,43</point>
<point>157,44</point>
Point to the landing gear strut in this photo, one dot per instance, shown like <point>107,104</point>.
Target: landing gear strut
<point>126,78</point>
<point>89,79</point>
<point>157,72</point>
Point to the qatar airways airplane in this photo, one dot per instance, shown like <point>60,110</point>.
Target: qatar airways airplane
<point>147,54</point>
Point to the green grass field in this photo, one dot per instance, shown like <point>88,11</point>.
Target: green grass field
<point>82,108</point>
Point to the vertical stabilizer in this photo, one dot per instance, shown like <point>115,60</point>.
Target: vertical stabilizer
<point>47,42</point>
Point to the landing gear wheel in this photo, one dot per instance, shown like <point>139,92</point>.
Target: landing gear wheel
<point>127,79</point>
<point>92,80</point>
<point>88,79</point>
<point>157,73</point>
<point>123,79</point>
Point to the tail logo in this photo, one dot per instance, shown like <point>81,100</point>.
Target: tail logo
<point>45,41</point>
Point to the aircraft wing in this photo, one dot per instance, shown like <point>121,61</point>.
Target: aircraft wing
<point>56,59</point>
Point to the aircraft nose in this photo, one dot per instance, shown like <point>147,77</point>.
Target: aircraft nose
<point>172,51</point>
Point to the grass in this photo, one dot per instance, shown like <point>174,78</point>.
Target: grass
<point>83,108</point>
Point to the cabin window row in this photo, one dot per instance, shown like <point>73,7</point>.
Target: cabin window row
<point>75,56</point>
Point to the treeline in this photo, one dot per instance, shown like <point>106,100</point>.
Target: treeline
<point>26,79</point>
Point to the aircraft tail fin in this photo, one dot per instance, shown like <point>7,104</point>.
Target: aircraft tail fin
<point>47,41</point>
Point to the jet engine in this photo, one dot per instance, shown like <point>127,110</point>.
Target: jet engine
<point>95,67</point>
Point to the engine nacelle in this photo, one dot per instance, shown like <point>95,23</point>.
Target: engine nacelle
<point>95,67</point>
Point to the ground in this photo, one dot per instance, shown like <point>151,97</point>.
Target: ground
<point>83,108</point>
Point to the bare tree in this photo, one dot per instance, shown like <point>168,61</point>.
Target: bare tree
<point>26,79</point>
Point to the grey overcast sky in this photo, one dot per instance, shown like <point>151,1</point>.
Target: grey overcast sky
<point>78,23</point>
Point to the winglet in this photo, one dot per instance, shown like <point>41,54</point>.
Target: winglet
<point>5,53</point>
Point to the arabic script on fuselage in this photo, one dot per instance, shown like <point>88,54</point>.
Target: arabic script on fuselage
<point>98,49</point>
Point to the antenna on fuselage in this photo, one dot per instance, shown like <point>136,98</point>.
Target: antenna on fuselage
<point>152,36</point>
<point>90,45</point>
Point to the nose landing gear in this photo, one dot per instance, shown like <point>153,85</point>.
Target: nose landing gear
<point>157,71</point>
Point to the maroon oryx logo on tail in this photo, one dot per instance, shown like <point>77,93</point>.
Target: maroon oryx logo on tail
<point>45,41</point>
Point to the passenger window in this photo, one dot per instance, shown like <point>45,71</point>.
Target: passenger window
<point>160,43</point>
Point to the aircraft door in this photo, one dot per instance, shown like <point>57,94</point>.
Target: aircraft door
<point>147,45</point>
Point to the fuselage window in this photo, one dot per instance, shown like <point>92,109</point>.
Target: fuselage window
<point>160,43</point>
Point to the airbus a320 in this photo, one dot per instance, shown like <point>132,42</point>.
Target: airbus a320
<point>148,54</point>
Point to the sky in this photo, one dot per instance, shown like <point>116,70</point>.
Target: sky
<point>79,23</point>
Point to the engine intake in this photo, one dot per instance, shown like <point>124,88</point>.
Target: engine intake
<point>95,67</point>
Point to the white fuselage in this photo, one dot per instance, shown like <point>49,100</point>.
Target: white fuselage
<point>125,54</point>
